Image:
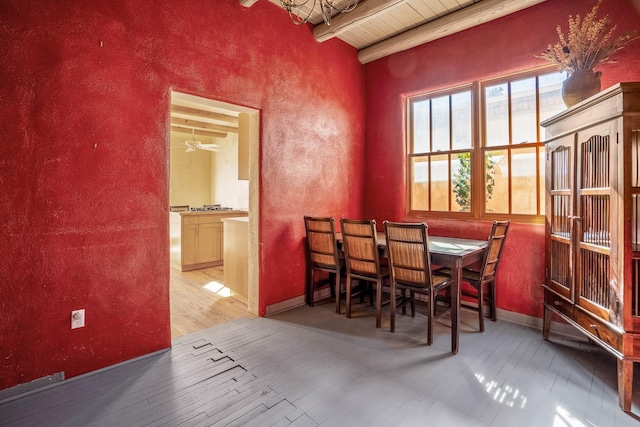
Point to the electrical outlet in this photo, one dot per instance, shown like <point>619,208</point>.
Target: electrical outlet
<point>77,319</point>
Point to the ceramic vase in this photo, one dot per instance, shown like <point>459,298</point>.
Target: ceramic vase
<point>580,85</point>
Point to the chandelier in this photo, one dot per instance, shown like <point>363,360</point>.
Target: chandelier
<point>301,10</point>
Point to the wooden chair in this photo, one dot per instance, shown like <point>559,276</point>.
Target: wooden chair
<point>410,262</point>
<point>360,246</point>
<point>485,276</point>
<point>323,256</point>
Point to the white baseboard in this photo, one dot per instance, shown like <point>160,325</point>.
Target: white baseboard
<point>559,328</point>
<point>285,305</point>
<point>295,302</point>
<point>42,384</point>
<point>25,389</point>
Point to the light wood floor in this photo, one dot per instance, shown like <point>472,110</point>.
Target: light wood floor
<point>310,367</point>
<point>199,302</point>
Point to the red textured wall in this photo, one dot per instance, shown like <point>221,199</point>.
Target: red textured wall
<point>503,46</point>
<point>84,106</point>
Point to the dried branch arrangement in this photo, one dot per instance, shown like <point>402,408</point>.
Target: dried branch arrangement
<point>589,42</point>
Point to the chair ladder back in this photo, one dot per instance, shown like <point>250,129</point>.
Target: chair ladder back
<point>410,261</point>
<point>408,247</point>
<point>494,249</point>
<point>322,243</point>
<point>360,246</point>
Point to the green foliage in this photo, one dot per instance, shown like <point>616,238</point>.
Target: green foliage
<point>462,180</point>
<point>490,171</point>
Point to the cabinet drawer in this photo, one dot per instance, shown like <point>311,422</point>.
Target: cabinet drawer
<point>190,219</point>
<point>208,219</point>
<point>599,329</point>
<point>556,301</point>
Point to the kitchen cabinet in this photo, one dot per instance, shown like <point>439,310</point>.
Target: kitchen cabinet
<point>593,224</point>
<point>210,241</point>
<point>236,256</point>
<point>199,241</point>
<point>190,242</point>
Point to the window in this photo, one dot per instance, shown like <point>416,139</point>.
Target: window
<point>477,152</point>
<point>440,152</point>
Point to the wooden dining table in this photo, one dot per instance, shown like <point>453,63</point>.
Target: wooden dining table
<point>455,253</point>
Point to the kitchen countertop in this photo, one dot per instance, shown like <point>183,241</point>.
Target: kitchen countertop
<point>220,212</point>
<point>236,219</point>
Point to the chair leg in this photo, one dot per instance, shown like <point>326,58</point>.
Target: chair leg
<point>412,295</point>
<point>332,289</point>
<point>337,291</point>
<point>348,286</point>
<point>310,288</point>
<point>492,296</point>
<point>361,286</point>
<point>481,306</point>
<point>432,313</point>
<point>378,303</point>
<point>371,293</point>
<point>392,315</point>
<point>404,306</point>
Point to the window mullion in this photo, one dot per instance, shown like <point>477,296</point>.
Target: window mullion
<point>509,153</point>
<point>429,192</point>
<point>477,156</point>
<point>449,169</point>
<point>539,191</point>
<point>538,109</point>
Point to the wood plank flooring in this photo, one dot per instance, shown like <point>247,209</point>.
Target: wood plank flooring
<point>312,367</point>
<point>198,301</point>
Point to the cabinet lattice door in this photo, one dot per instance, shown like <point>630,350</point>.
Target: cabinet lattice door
<point>593,224</point>
<point>635,224</point>
<point>560,181</point>
<point>597,286</point>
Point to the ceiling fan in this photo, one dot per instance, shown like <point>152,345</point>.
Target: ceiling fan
<point>192,144</point>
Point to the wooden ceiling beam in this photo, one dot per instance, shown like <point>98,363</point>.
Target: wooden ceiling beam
<point>342,22</point>
<point>203,114</point>
<point>189,123</point>
<point>470,16</point>
<point>198,132</point>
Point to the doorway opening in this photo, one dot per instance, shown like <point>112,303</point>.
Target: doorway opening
<point>213,187</point>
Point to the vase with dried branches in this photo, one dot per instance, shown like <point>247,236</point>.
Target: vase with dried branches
<point>589,42</point>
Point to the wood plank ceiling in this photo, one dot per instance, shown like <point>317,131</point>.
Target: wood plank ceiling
<point>378,28</point>
<point>197,119</point>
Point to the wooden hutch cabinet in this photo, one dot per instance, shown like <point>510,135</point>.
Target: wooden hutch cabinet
<point>593,224</point>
